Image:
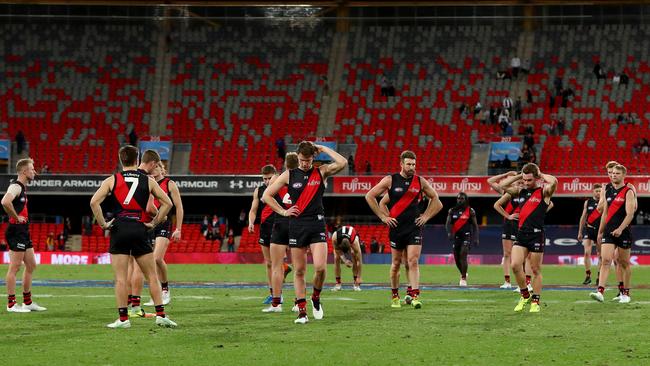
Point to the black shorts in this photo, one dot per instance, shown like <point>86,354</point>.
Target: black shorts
<point>400,238</point>
<point>17,236</point>
<point>462,240</point>
<point>130,238</point>
<point>509,230</point>
<point>590,233</point>
<point>533,241</point>
<point>280,232</point>
<point>305,232</point>
<point>163,230</point>
<point>266,229</point>
<point>624,241</point>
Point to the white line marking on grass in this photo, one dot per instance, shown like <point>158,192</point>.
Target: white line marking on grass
<point>261,298</point>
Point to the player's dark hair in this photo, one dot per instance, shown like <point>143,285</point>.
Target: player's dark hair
<point>531,168</point>
<point>291,160</point>
<point>407,154</point>
<point>128,155</point>
<point>307,149</point>
<point>268,169</point>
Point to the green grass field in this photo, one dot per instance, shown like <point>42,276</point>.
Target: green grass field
<point>475,326</point>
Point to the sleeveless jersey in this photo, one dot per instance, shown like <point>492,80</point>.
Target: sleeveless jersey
<point>346,232</point>
<point>593,216</point>
<point>616,200</point>
<point>533,210</point>
<point>306,190</point>
<point>20,203</point>
<point>461,219</point>
<point>164,185</point>
<point>405,210</point>
<point>131,194</point>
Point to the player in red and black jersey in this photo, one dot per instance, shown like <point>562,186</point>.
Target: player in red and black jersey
<point>530,234</point>
<point>601,203</point>
<point>21,250</point>
<point>130,190</point>
<point>618,211</point>
<point>306,186</point>
<point>462,230</point>
<point>507,206</point>
<point>163,232</point>
<point>267,218</point>
<point>405,189</point>
<point>347,249</point>
<point>279,239</point>
<point>151,165</point>
<point>588,229</point>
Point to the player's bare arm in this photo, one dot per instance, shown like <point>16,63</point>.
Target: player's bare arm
<point>371,198</point>
<point>97,199</point>
<point>252,213</point>
<point>332,168</point>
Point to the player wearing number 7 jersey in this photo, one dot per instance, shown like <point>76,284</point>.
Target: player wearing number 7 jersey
<point>129,190</point>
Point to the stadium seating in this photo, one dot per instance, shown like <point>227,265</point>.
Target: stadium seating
<point>252,86</point>
<point>232,91</point>
<point>73,89</point>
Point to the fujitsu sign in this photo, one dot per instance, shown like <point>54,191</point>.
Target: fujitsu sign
<point>577,186</point>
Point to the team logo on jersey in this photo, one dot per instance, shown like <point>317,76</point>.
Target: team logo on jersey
<point>314,183</point>
<point>534,199</point>
<point>398,189</point>
<point>23,199</point>
<point>297,185</point>
<point>414,190</point>
<point>286,199</point>
<point>619,199</point>
<point>609,199</point>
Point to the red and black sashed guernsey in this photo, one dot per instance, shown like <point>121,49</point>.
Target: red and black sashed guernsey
<point>616,200</point>
<point>131,194</point>
<point>532,210</point>
<point>20,204</point>
<point>405,195</point>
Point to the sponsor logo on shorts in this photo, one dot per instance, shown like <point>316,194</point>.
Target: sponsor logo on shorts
<point>293,242</point>
<point>323,236</point>
<point>20,245</point>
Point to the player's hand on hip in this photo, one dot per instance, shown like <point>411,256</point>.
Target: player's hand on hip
<point>149,225</point>
<point>616,233</point>
<point>390,221</point>
<point>107,225</point>
<point>421,220</point>
<point>513,217</point>
<point>292,211</point>
<point>22,219</point>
